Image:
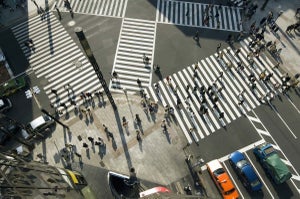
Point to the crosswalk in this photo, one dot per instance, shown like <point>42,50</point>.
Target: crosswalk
<point>194,14</point>
<point>137,39</point>
<point>234,84</point>
<point>111,8</point>
<point>56,58</point>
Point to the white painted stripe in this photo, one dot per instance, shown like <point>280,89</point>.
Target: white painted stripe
<point>223,92</point>
<point>224,17</point>
<point>243,150</point>
<point>211,114</point>
<point>263,132</point>
<point>260,177</point>
<point>253,119</point>
<point>193,108</point>
<point>167,12</point>
<point>241,194</point>
<point>207,83</point>
<point>158,10</point>
<point>185,131</point>
<point>197,105</point>
<point>162,17</point>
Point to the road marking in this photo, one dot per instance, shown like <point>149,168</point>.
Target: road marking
<point>283,121</point>
<point>293,104</point>
<point>259,175</point>
<point>233,181</point>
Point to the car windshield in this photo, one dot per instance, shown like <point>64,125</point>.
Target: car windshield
<point>240,164</point>
<point>229,192</point>
<point>255,183</point>
<point>219,171</point>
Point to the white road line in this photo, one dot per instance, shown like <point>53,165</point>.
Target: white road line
<point>274,109</point>
<point>241,194</point>
<point>260,177</point>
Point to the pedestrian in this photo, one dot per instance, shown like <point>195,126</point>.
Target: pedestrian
<point>138,135</point>
<point>58,12</point>
<point>168,78</point>
<point>221,115</point>
<point>156,68</point>
<point>85,145</point>
<point>164,126</point>
<point>237,52</point>
<point>91,139</point>
<point>218,47</point>
<point>138,119</point>
<point>196,37</point>
<point>72,13</point>
<point>289,28</point>
<point>125,122</point>
<point>229,38</point>
<point>54,91</point>
<point>63,105</point>
<point>105,128</point>
<point>115,75</point>
<point>138,81</point>
<point>187,14</point>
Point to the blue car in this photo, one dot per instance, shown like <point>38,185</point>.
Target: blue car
<point>245,171</point>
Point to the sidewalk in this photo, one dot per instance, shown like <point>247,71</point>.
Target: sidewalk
<point>9,18</point>
<point>290,44</point>
<point>157,158</point>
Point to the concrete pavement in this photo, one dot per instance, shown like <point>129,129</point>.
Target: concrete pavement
<point>159,158</point>
<point>290,44</point>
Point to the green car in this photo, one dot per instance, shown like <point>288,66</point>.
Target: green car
<point>12,85</point>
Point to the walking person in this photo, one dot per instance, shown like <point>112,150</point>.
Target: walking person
<point>196,37</point>
<point>54,91</point>
<point>58,12</point>
<point>218,47</point>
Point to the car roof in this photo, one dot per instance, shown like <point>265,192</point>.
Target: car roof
<point>249,172</point>
<point>236,156</point>
<point>214,165</point>
<point>37,122</point>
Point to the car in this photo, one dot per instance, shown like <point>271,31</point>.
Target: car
<point>7,130</point>
<point>222,180</point>
<point>5,104</point>
<point>41,125</point>
<point>12,85</point>
<point>245,171</point>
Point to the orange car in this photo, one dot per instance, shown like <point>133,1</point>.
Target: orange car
<point>222,180</point>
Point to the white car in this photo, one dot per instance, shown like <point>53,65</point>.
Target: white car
<point>41,124</point>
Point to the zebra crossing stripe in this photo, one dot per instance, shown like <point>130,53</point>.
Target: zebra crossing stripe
<point>188,72</point>
<point>224,92</point>
<point>202,125</point>
<point>185,131</point>
<point>248,92</point>
<point>209,77</point>
<point>193,108</point>
<point>207,84</point>
<point>224,18</point>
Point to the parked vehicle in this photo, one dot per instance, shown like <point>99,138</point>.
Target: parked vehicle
<point>41,125</point>
<point>245,171</point>
<point>5,104</point>
<point>12,86</point>
<point>272,163</point>
<point>7,130</point>
<point>222,180</point>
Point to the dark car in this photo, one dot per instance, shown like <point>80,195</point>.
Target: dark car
<point>245,171</point>
<point>5,104</point>
<point>7,131</point>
